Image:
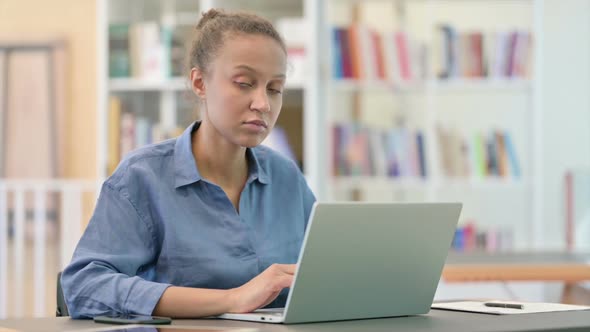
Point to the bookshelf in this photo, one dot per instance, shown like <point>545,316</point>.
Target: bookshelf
<point>144,96</point>
<point>487,98</point>
<point>131,84</point>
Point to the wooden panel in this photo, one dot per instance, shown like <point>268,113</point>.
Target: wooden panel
<point>513,272</point>
<point>28,143</point>
<point>74,22</point>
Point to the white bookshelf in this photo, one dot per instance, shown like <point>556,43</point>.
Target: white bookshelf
<point>351,182</point>
<point>134,84</point>
<point>453,85</point>
<point>481,85</point>
<point>171,84</point>
<point>347,182</point>
<point>507,103</point>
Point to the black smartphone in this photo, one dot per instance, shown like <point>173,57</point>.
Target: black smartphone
<point>132,319</point>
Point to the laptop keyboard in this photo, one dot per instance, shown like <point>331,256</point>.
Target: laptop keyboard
<point>271,311</point>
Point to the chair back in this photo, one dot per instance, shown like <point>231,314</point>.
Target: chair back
<point>62,308</point>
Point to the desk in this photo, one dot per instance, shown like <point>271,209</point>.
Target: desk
<point>436,320</point>
<point>570,268</point>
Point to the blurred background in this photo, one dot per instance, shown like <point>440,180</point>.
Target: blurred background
<point>481,101</point>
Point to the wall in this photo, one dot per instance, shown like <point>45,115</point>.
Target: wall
<point>75,22</point>
<point>566,105</point>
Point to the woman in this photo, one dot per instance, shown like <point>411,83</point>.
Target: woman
<point>209,222</point>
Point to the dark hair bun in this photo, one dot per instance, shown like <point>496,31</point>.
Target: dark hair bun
<point>216,24</point>
<point>208,16</point>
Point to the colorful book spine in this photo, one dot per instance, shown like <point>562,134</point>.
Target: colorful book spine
<point>337,63</point>
<point>469,238</point>
<point>114,134</point>
<point>119,61</point>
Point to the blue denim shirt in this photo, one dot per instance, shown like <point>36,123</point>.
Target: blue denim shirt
<point>158,223</point>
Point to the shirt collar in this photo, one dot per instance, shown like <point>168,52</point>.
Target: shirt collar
<point>185,168</point>
<point>255,169</point>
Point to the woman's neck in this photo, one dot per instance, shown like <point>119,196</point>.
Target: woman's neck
<point>219,161</point>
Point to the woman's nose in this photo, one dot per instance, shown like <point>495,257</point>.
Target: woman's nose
<point>260,101</point>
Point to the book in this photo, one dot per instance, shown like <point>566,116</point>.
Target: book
<point>420,143</point>
<point>354,50</point>
<point>500,54</point>
<point>297,71</point>
<point>390,55</point>
<point>492,156</point>
<point>336,161</point>
<point>501,154</point>
<point>119,62</point>
<point>484,154</point>
<point>143,131</point>
<point>147,51</point>
<point>473,54</point>
<point>377,152</point>
<point>403,55</point>
<point>127,142</point>
<point>393,162</point>
<point>345,45</point>
<point>378,54</point>
<point>521,62</point>
<point>114,134</point>
<point>337,63</point>
<point>363,53</point>
<point>447,40</point>
<point>479,156</point>
<point>178,48</point>
<point>512,156</point>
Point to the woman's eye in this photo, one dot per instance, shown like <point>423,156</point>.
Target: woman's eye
<point>275,91</point>
<point>244,84</point>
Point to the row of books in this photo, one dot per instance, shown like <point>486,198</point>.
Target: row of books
<point>482,155</point>
<point>149,50</point>
<point>469,238</point>
<point>361,150</point>
<point>360,52</point>
<point>128,131</point>
<point>475,54</point>
<point>146,50</point>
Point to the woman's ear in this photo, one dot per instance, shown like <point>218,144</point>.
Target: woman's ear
<point>198,82</point>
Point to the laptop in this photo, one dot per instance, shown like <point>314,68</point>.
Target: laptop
<point>366,260</point>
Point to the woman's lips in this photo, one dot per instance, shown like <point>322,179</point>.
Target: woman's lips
<point>256,125</point>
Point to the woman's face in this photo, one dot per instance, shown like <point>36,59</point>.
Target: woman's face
<point>243,88</point>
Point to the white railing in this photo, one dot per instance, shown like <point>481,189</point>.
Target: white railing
<point>24,235</point>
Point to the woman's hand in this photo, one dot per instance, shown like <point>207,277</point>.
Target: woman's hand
<point>263,289</point>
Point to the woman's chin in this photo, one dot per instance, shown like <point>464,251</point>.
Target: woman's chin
<point>251,142</point>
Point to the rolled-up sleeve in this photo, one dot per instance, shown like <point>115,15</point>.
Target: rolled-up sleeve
<point>102,277</point>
